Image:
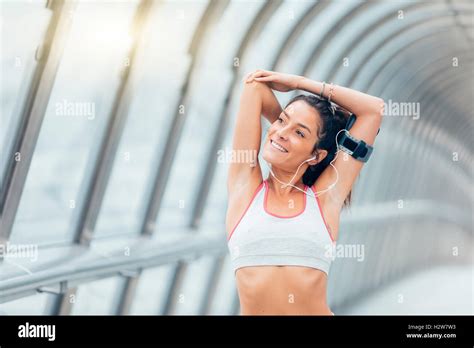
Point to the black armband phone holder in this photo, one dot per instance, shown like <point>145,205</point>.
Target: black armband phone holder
<point>358,149</point>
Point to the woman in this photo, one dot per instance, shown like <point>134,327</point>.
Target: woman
<point>280,229</point>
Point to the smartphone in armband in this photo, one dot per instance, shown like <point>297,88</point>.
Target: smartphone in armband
<point>358,149</point>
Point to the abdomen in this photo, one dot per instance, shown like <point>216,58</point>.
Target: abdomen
<point>280,290</point>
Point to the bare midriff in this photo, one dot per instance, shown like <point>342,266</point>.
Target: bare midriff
<point>282,290</point>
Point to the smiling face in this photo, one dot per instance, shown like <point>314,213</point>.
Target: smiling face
<point>291,138</point>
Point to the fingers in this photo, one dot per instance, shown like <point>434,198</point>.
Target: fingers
<point>264,79</point>
<point>257,74</point>
<point>247,78</point>
<point>252,76</point>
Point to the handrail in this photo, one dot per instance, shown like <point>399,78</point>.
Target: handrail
<point>81,264</point>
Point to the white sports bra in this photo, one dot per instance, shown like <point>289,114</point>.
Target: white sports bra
<point>262,238</point>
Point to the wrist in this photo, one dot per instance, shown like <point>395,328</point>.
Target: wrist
<point>311,86</point>
<point>300,82</point>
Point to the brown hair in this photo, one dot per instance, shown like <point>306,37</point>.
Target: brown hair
<point>331,124</point>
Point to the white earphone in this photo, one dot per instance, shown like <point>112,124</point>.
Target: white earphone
<point>310,159</point>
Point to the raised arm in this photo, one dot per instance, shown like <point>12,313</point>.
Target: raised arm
<point>369,111</point>
<point>257,99</point>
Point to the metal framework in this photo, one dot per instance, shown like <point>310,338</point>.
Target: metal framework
<point>49,55</point>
